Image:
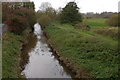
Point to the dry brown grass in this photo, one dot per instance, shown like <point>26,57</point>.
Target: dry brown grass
<point>108,31</point>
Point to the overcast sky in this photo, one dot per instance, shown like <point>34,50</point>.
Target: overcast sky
<point>84,5</point>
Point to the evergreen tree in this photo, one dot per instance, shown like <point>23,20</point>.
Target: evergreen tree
<point>70,13</point>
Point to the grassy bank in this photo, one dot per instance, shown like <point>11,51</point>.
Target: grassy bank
<point>11,48</point>
<point>97,54</point>
<point>0,58</point>
<point>10,55</point>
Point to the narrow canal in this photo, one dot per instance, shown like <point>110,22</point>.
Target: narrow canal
<point>40,61</point>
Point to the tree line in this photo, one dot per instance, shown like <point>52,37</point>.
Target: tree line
<point>21,15</point>
<point>70,14</point>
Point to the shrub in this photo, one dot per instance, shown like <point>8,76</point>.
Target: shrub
<point>46,14</point>
<point>29,14</point>
<point>16,24</point>
<point>5,10</point>
<point>18,16</point>
<point>44,20</point>
<point>113,20</point>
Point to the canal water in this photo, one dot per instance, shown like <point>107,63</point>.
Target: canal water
<point>41,63</point>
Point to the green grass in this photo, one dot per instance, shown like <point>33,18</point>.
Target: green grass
<point>95,22</point>
<point>0,58</point>
<point>11,45</point>
<point>10,55</point>
<point>99,26</point>
<point>97,54</point>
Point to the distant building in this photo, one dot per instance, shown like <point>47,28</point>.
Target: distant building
<point>89,15</point>
<point>106,14</point>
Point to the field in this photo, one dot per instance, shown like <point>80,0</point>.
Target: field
<point>99,26</point>
<point>95,53</point>
<point>99,22</point>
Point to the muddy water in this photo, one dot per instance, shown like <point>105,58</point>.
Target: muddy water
<point>40,62</point>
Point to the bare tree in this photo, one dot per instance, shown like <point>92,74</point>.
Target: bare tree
<point>44,6</point>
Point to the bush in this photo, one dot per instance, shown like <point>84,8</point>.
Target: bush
<point>29,14</point>
<point>46,14</point>
<point>5,11</point>
<point>16,24</point>
<point>113,20</point>
<point>44,20</point>
<point>18,16</point>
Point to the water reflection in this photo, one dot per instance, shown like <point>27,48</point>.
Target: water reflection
<point>42,63</point>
